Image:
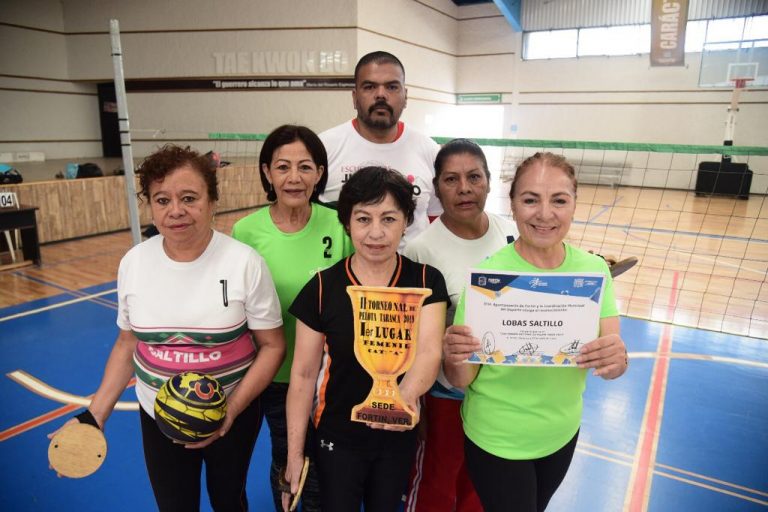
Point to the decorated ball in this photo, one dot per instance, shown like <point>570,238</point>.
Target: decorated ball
<point>190,407</point>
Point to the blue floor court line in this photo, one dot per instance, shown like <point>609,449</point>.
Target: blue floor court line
<point>109,300</point>
<point>668,494</point>
<point>604,209</point>
<point>720,344</point>
<point>628,227</point>
<point>76,293</point>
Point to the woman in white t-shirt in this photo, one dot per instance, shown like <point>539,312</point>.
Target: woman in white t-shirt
<point>192,299</point>
<point>460,238</point>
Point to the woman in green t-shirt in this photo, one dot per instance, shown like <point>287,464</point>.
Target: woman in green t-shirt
<point>521,423</point>
<point>297,237</point>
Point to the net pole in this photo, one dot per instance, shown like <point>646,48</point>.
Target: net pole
<point>125,132</point>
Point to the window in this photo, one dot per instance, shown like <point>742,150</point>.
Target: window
<point>756,28</point>
<point>695,35</point>
<point>725,33</point>
<point>619,40</point>
<point>725,30</point>
<point>551,44</point>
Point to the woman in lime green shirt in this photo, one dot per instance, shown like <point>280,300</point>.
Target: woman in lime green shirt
<point>521,424</point>
<point>297,237</point>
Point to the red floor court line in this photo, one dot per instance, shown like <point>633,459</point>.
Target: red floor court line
<point>36,422</point>
<point>45,418</point>
<point>639,488</point>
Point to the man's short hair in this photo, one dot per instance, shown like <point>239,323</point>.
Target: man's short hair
<point>378,57</point>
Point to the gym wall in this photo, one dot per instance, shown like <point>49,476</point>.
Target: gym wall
<point>54,52</point>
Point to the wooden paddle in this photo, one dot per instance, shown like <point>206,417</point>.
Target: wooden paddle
<point>77,450</point>
<point>303,478</point>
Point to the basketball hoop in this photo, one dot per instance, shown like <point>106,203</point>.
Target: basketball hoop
<point>739,73</point>
<point>740,83</point>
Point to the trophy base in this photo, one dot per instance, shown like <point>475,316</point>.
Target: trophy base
<point>397,416</point>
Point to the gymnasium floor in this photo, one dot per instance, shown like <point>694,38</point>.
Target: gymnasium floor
<point>685,429</point>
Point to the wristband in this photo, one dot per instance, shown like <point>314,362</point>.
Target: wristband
<point>87,418</point>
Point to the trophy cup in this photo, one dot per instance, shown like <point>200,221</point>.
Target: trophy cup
<point>386,330</point>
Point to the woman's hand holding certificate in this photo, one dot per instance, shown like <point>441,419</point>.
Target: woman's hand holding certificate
<point>458,346</point>
<point>607,355</point>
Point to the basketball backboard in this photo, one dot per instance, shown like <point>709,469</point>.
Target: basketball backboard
<point>723,63</point>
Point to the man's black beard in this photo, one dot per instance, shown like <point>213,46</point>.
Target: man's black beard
<point>378,124</point>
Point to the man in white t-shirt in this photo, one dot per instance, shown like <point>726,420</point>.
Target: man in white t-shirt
<point>378,137</point>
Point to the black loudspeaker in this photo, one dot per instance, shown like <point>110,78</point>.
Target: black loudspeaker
<point>724,178</point>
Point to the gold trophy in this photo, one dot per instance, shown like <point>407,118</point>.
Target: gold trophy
<point>386,330</point>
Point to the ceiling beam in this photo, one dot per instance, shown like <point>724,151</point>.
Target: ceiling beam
<point>511,11</point>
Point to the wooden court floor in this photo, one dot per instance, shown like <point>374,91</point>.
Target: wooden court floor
<point>77,264</point>
<point>710,254</point>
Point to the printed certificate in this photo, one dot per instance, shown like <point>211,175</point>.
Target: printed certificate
<point>532,319</point>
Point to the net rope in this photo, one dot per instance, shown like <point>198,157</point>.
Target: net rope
<point>703,259</point>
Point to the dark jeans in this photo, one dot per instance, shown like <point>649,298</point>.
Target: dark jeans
<point>273,400</point>
<point>517,485</point>
<point>174,471</point>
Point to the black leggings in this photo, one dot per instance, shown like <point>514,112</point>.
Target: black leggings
<point>174,471</point>
<point>505,485</point>
<point>376,478</point>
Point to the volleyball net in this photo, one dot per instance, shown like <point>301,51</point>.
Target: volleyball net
<point>703,256</point>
